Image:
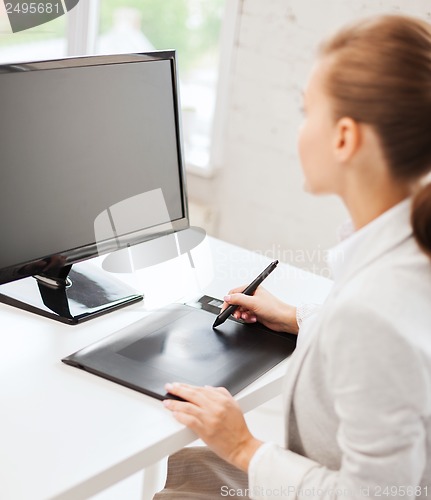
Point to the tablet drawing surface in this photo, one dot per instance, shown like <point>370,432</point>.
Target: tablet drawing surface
<point>178,344</point>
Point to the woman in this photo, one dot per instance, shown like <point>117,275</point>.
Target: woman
<point>358,388</point>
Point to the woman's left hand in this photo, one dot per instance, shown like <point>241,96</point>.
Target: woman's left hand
<point>214,415</point>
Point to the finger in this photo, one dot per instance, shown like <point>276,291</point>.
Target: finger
<point>238,289</point>
<point>241,311</point>
<point>223,390</point>
<point>182,407</point>
<point>188,420</point>
<point>207,394</point>
<point>218,395</point>
<point>190,393</point>
<point>186,415</point>
<point>249,317</point>
<point>223,307</point>
<point>240,299</point>
<point>218,389</point>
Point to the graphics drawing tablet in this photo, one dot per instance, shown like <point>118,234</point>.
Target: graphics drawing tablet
<point>178,344</point>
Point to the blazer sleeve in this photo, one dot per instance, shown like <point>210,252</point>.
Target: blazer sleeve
<point>306,315</point>
<point>378,385</point>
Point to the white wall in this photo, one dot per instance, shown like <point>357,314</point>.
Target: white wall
<point>258,192</point>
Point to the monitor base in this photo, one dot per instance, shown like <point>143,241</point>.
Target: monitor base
<point>88,292</point>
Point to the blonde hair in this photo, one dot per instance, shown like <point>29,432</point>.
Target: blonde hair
<point>380,74</point>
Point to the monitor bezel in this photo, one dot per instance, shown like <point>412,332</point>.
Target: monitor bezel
<point>72,256</point>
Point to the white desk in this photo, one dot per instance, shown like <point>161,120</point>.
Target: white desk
<point>66,434</point>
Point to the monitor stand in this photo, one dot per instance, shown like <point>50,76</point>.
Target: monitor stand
<point>70,295</point>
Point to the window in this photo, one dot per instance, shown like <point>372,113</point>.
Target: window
<point>192,27</point>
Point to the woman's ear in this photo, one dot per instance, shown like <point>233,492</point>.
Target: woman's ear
<point>347,139</point>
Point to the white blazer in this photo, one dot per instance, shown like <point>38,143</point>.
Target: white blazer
<point>358,388</point>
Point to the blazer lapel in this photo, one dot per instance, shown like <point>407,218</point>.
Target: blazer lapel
<point>295,363</point>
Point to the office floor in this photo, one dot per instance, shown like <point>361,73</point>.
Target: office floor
<point>265,422</point>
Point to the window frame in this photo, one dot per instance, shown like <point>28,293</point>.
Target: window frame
<point>82,31</point>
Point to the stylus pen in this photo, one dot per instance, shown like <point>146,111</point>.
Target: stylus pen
<point>224,315</point>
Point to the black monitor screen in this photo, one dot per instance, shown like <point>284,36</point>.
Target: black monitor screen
<point>89,155</point>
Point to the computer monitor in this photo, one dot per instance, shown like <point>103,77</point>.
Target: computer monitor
<point>91,162</point>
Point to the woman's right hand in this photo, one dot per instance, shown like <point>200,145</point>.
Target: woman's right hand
<point>263,307</point>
